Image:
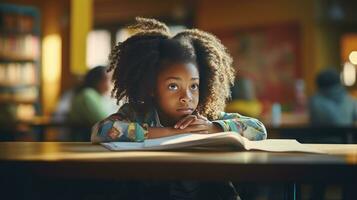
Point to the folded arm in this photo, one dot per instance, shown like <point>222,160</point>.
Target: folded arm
<point>248,127</point>
<point>117,128</point>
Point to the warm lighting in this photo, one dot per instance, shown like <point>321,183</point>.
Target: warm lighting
<point>349,74</point>
<point>98,48</point>
<point>348,43</point>
<point>51,71</point>
<point>25,112</point>
<point>51,58</point>
<point>353,57</point>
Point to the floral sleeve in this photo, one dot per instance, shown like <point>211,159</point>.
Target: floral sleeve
<point>248,127</point>
<point>119,127</point>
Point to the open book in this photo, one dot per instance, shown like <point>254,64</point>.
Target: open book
<point>222,140</point>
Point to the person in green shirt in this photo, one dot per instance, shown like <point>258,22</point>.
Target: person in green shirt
<point>89,103</point>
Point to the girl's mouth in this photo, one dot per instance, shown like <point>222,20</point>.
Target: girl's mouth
<point>186,111</point>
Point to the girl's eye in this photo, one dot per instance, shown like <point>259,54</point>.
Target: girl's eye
<point>194,87</point>
<point>173,86</point>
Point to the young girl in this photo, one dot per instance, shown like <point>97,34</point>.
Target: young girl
<point>173,85</point>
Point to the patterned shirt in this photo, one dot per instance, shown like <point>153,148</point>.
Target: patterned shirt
<point>128,126</point>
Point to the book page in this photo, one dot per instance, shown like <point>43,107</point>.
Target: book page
<point>222,140</point>
<point>187,140</point>
<point>176,139</point>
<point>123,146</point>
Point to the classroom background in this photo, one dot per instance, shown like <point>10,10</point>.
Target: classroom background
<point>279,48</point>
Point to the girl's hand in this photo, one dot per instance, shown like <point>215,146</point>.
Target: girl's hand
<point>184,122</point>
<point>197,124</point>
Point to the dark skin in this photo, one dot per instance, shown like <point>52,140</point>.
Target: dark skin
<point>177,96</point>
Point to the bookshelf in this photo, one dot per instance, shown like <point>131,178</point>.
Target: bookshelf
<point>19,62</point>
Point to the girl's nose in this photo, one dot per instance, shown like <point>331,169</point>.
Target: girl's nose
<point>184,100</point>
<point>186,97</point>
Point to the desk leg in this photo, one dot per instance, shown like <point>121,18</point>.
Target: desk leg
<point>292,191</point>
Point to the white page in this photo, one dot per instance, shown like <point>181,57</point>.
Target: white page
<point>176,139</point>
<point>217,140</point>
<point>123,145</point>
<point>171,142</point>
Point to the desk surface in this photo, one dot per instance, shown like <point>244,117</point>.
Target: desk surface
<point>84,160</point>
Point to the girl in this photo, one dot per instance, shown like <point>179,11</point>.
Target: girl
<point>173,85</point>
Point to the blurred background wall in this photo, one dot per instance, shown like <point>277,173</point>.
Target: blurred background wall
<point>278,45</point>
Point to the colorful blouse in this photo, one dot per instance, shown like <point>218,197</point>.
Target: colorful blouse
<point>128,126</point>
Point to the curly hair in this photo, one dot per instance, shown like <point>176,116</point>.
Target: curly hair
<point>138,60</point>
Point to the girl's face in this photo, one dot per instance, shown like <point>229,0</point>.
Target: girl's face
<point>177,92</point>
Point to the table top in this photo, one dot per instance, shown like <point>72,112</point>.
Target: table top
<point>84,160</point>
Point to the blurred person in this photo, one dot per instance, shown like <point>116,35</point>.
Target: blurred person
<point>332,105</point>
<point>89,103</point>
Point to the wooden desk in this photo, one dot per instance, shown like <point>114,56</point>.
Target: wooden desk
<point>84,160</point>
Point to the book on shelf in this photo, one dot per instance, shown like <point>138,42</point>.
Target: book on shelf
<point>215,141</point>
<point>20,48</point>
<point>14,74</point>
